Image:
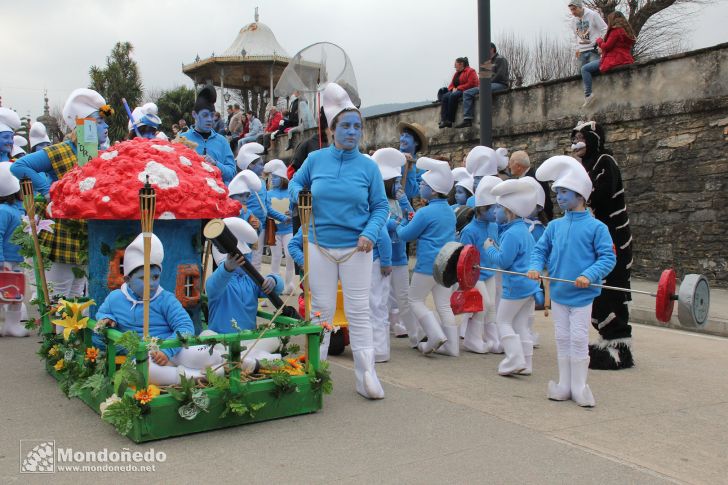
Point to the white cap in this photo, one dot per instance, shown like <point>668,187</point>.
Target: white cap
<point>248,153</point>
<point>276,167</point>
<point>243,232</point>
<point>145,115</point>
<point>134,254</point>
<point>18,143</point>
<point>517,195</point>
<point>390,162</point>
<point>335,100</point>
<point>9,120</point>
<point>483,194</point>
<point>9,185</point>
<point>438,175</point>
<point>245,181</point>
<point>576,3</point>
<point>540,194</point>
<point>566,172</point>
<point>38,134</point>
<point>463,178</point>
<point>481,161</point>
<point>501,157</point>
<point>81,103</point>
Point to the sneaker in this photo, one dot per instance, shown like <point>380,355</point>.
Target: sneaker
<point>588,100</point>
<point>464,124</point>
<point>445,124</point>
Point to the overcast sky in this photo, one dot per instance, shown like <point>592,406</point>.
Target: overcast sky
<point>402,50</point>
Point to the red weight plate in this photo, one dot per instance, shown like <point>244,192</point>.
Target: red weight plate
<point>470,301</point>
<point>664,304</point>
<point>468,271</point>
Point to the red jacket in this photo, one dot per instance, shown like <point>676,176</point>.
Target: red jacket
<point>468,79</point>
<point>273,122</point>
<point>616,49</point>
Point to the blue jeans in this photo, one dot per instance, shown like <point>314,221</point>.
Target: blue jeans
<point>449,105</point>
<point>588,56</point>
<point>587,71</point>
<point>469,98</point>
<point>248,139</point>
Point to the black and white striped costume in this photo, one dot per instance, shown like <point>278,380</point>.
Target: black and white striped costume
<point>610,311</point>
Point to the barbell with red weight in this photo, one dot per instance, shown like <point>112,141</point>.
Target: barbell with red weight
<point>458,263</point>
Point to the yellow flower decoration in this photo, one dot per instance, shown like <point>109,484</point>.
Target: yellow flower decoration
<point>92,353</point>
<point>59,365</point>
<point>55,350</point>
<point>73,321</point>
<point>146,395</point>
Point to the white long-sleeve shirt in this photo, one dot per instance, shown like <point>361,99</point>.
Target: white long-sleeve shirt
<point>587,30</point>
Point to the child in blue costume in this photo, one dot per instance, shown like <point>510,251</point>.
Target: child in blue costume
<point>213,146</point>
<point>464,186</point>
<point>516,200</point>
<point>11,212</point>
<point>124,309</point>
<point>537,222</point>
<point>240,188</point>
<point>481,333</point>
<point>432,227</point>
<point>575,247</point>
<point>9,124</point>
<point>480,162</point>
<point>277,199</point>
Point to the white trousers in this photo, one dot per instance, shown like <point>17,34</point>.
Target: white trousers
<point>258,252</point>
<point>378,310</point>
<point>487,291</point>
<point>355,275</point>
<point>14,313</point>
<point>399,295</point>
<point>513,316</point>
<point>421,286</point>
<point>276,253</point>
<point>571,325</point>
<point>63,282</point>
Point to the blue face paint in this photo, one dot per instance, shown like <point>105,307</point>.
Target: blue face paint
<point>426,191</point>
<point>275,181</point>
<point>102,128</point>
<point>407,143</point>
<point>500,214</point>
<point>6,144</point>
<point>567,199</point>
<point>348,131</point>
<point>136,281</point>
<point>242,198</point>
<point>204,120</point>
<point>476,181</point>
<point>41,146</point>
<point>397,184</point>
<point>486,213</point>
<point>256,166</point>
<point>461,195</point>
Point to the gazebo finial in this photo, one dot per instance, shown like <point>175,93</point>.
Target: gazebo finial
<point>257,17</point>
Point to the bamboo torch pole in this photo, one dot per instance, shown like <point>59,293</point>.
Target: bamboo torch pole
<point>147,204</point>
<point>26,186</point>
<point>304,213</point>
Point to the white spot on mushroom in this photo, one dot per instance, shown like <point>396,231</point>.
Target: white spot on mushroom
<point>207,167</point>
<point>109,155</point>
<point>105,198</point>
<point>167,215</point>
<point>185,161</point>
<point>159,175</point>
<point>163,148</point>
<point>86,184</point>
<point>213,185</point>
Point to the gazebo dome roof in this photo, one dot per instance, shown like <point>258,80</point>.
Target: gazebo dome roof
<point>255,40</point>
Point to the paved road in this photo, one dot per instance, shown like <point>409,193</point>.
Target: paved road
<point>444,420</point>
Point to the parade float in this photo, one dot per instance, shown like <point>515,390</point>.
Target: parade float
<point>153,186</point>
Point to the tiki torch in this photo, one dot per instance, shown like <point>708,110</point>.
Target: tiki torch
<point>147,205</point>
<point>305,205</point>
<point>26,186</point>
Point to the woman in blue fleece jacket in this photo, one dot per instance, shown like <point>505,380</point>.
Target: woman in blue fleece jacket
<point>575,247</point>
<point>349,210</point>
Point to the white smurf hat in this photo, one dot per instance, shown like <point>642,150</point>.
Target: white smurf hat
<point>517,195</point>
<point>540,194</point>
<point>9,185</point>
<point>481,161</point>
<point>276,167</point>
<point>483,194</point>
<point>245,181</point>
<point>243,232</point>
<point>438,175</point>
<point>81,103</point>
<point>134,254</point>
<point>18,143</point>
<point>9,120</point>
<point>463,178</point>
<point>38,134</point>
<point>335,100</point>
<point>248,153</point>
<point>566,172</point>
<point>145,115</point>
<point>390,162</point>
<point>501,158</point>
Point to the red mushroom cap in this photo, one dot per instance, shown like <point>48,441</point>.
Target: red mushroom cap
<point>107,187</point>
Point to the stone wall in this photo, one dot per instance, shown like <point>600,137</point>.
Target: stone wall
<point>667,124</point>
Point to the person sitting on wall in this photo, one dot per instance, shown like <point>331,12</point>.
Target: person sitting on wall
<point>499,82</point>
<point>255,129</point>
<point>274,122</point>
<point>464,78</point>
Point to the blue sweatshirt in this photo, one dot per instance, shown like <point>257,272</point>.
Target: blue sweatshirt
<point>399,248</point>
<point>572,246</point>
<point>383,248</point>
<point>470,202</point>
<point>348,196</point>
<point>516,245</point>
<point>10,215</point>
<point>475,233</point>
<point>414,177</point>
<point>37,167</point>
<point>278,193</point>
<point>234,295</point>
<point>218,148</point>
<point>295,248</point>
<point>167,316</point>
<point>432,226</point>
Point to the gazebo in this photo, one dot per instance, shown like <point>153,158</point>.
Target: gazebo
<point>252,64</point>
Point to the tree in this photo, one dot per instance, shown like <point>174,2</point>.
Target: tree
<point>542,59</point>
<point>175,104</point>
<point>119,79</point>
<point>518,53</point>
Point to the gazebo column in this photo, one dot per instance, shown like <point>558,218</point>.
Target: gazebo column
<point>222,91</point>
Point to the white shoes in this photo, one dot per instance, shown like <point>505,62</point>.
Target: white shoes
<point>452,346</point>
<point>380,337</point>
<point>435,336</point>
<point>580,391</point>
<point>588,100</point>
<point>474,337</point>
<point>527,357</point>
<point>13,326</point>
<point>514,361</point>
<point>562,390</point>
<point>492,340</point>
<point>367,382</point>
